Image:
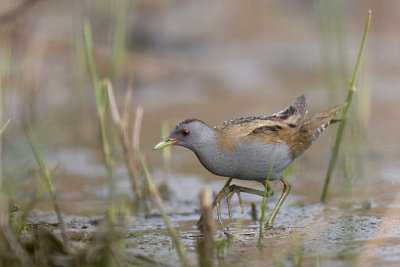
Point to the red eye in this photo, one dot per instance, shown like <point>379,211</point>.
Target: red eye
<point>185,132</point>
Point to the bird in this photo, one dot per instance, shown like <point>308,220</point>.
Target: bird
<point>257,148</point>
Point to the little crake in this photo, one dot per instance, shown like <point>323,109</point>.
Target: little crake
<point>248,148</point>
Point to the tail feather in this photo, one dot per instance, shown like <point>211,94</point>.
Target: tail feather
<point>318,123</point>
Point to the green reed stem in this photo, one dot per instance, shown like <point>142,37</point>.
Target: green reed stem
<point>5,59</point>
<point>121,11</point>
<point>4,126</point>
<point>48,178</point>
<point>87,31</point>
<point>156,196</point>
<point>298,251</point>
<point>3,201</point>
<point>166,152</point>
<point>345,113</point>
<point>100,90</point>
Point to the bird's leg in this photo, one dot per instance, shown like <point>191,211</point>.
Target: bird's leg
<point>220,196</point>
<point>235,189</point>
<point>285,193</point>
<point>228,190</point>
<point>199,223</point>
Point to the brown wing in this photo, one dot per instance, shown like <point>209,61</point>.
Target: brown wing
<point>276,132</point>
<point>280,127</point>
<point>298,137</point>
<point>288,126</point>
<point>273,132</point>
<point>265,131</point>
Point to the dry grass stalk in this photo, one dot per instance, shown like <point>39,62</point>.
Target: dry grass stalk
<point>206,246</point>
<point>129,134</point>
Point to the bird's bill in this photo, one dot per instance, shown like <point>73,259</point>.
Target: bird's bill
<point>166,142</point>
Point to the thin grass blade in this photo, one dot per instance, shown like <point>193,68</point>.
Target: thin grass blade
<point>345,113</point>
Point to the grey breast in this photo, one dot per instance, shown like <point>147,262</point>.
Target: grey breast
<point>249,161</point>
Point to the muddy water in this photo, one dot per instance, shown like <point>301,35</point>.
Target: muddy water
<point>242,60</point>
<point>359,226</point>
<point>359,229</point>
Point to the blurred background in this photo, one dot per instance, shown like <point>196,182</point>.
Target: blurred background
<point>211,60</point>
<point>204,59</point>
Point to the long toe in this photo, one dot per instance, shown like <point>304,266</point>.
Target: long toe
<point>228,203</point>
<point>240,202</point>
<point>219,212</point>
<point>221,195</point>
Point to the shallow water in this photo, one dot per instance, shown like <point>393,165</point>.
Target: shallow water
<point>359,229</point>
<point>359,225</point>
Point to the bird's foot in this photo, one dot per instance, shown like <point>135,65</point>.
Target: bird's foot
<point>228,192</point>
